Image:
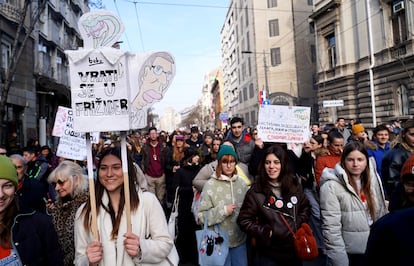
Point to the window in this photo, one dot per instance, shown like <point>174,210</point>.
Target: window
<point>274,27</point>
<point>275,58</point>
<point>251,91</point>
<point>310,2</point>
<point>240,97</point>
<point>271,3</point>
<point>5,54</point>
<point>399,26</point>
<point>253,121</point>
<point>311,28</point>
<point>331,50</point>
<point>401,101</point>
<point>245,94</point>
<point>313,53</point>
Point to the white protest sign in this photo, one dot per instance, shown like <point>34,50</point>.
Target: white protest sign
<point>112,90</point>
<point>72,144</point>
<point>285,124</point>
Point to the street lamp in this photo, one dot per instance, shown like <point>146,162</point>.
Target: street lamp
<point>267,94</point>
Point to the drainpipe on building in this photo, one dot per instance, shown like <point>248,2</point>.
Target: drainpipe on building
<point>372,64</point>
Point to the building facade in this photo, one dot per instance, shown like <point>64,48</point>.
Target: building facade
<point>268,54</point>
<point>41,82</point>
<point>365,58</point>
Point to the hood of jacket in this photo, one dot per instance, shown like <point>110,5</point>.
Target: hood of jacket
<point>338,175</point>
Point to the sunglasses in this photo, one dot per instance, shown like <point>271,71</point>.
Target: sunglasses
<point>58,182</point>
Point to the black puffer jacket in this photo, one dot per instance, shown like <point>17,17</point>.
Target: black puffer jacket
<point>391,167</point>
<point>258,220</point>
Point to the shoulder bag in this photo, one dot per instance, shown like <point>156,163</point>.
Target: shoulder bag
<point>304,241</point>
<point>212,245</point>
<point>172,221</point>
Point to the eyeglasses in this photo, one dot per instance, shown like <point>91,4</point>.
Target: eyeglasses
<point>19,166</point>
<point>228,161</point>
<point>58,182</point>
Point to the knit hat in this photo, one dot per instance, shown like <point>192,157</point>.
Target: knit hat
<point>8,170</point>
<point>226,150</point>
<point>408,167</point>
<point>357,128</point>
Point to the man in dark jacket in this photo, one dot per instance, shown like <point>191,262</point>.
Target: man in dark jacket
<point>242,141</point>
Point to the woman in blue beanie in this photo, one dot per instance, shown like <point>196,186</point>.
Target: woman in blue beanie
<point>222,197</point>
<point>26,238</point>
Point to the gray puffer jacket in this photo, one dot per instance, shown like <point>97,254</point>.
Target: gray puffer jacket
<point>345,220</point>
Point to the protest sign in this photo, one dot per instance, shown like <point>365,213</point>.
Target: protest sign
<point>72,144</point>
<point>285,124</point>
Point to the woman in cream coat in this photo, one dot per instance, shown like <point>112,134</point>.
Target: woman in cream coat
<point>149,243</point>
<point>351,199</point>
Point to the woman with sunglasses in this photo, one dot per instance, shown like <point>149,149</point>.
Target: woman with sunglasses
<point>72,191</point>
<point>149,243</point>
<point>221,198</point>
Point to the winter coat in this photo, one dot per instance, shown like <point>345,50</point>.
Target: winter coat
<point>322,162</point>
<point>31,193</point>
<point>378,153</point>
<point>146,153</point>
<point>35,239</point>
<point>148,222</point>
<point>63,215</point>
<point>391,240</point>
<point>244,147</point>
<point>391,167</point>
<point>345,225</point>
<point>186,224</point>
<point>217,193</point>
<point>257,219</point>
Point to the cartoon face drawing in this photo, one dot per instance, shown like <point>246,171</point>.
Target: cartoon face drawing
<point>154,78</point>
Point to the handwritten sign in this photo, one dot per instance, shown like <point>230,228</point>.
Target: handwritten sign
<point>285,124</point>
<point>99,89</point>
<point>72,144</point>
<point>112,90</point>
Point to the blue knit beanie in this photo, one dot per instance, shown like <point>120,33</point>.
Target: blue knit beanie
<point>226,150</point>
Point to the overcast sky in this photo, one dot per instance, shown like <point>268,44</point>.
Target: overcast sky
<point>188,29</point>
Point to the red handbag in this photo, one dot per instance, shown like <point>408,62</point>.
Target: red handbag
<point>305,242</point>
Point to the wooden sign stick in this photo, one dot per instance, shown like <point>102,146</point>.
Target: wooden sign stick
<point>94,224</point>
<point>124,158</point>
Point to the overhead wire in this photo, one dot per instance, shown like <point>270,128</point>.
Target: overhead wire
<point>139,26</point>
<point>119,15</point>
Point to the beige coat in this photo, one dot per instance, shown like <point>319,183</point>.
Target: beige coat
<point>148,222</point>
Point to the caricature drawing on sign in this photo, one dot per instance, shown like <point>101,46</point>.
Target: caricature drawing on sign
<point>155,76</point>
<point>102,28</point>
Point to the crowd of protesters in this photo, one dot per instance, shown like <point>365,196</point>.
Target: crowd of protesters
<point>349,187</point>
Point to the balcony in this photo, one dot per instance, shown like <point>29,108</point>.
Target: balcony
<point>10,12</point>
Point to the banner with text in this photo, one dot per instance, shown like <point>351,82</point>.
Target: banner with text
<point>72,144</point>
<point>285,124</point>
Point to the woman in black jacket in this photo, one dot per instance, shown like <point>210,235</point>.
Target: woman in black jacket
<point>183,181</point>
<point>276,193</point>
